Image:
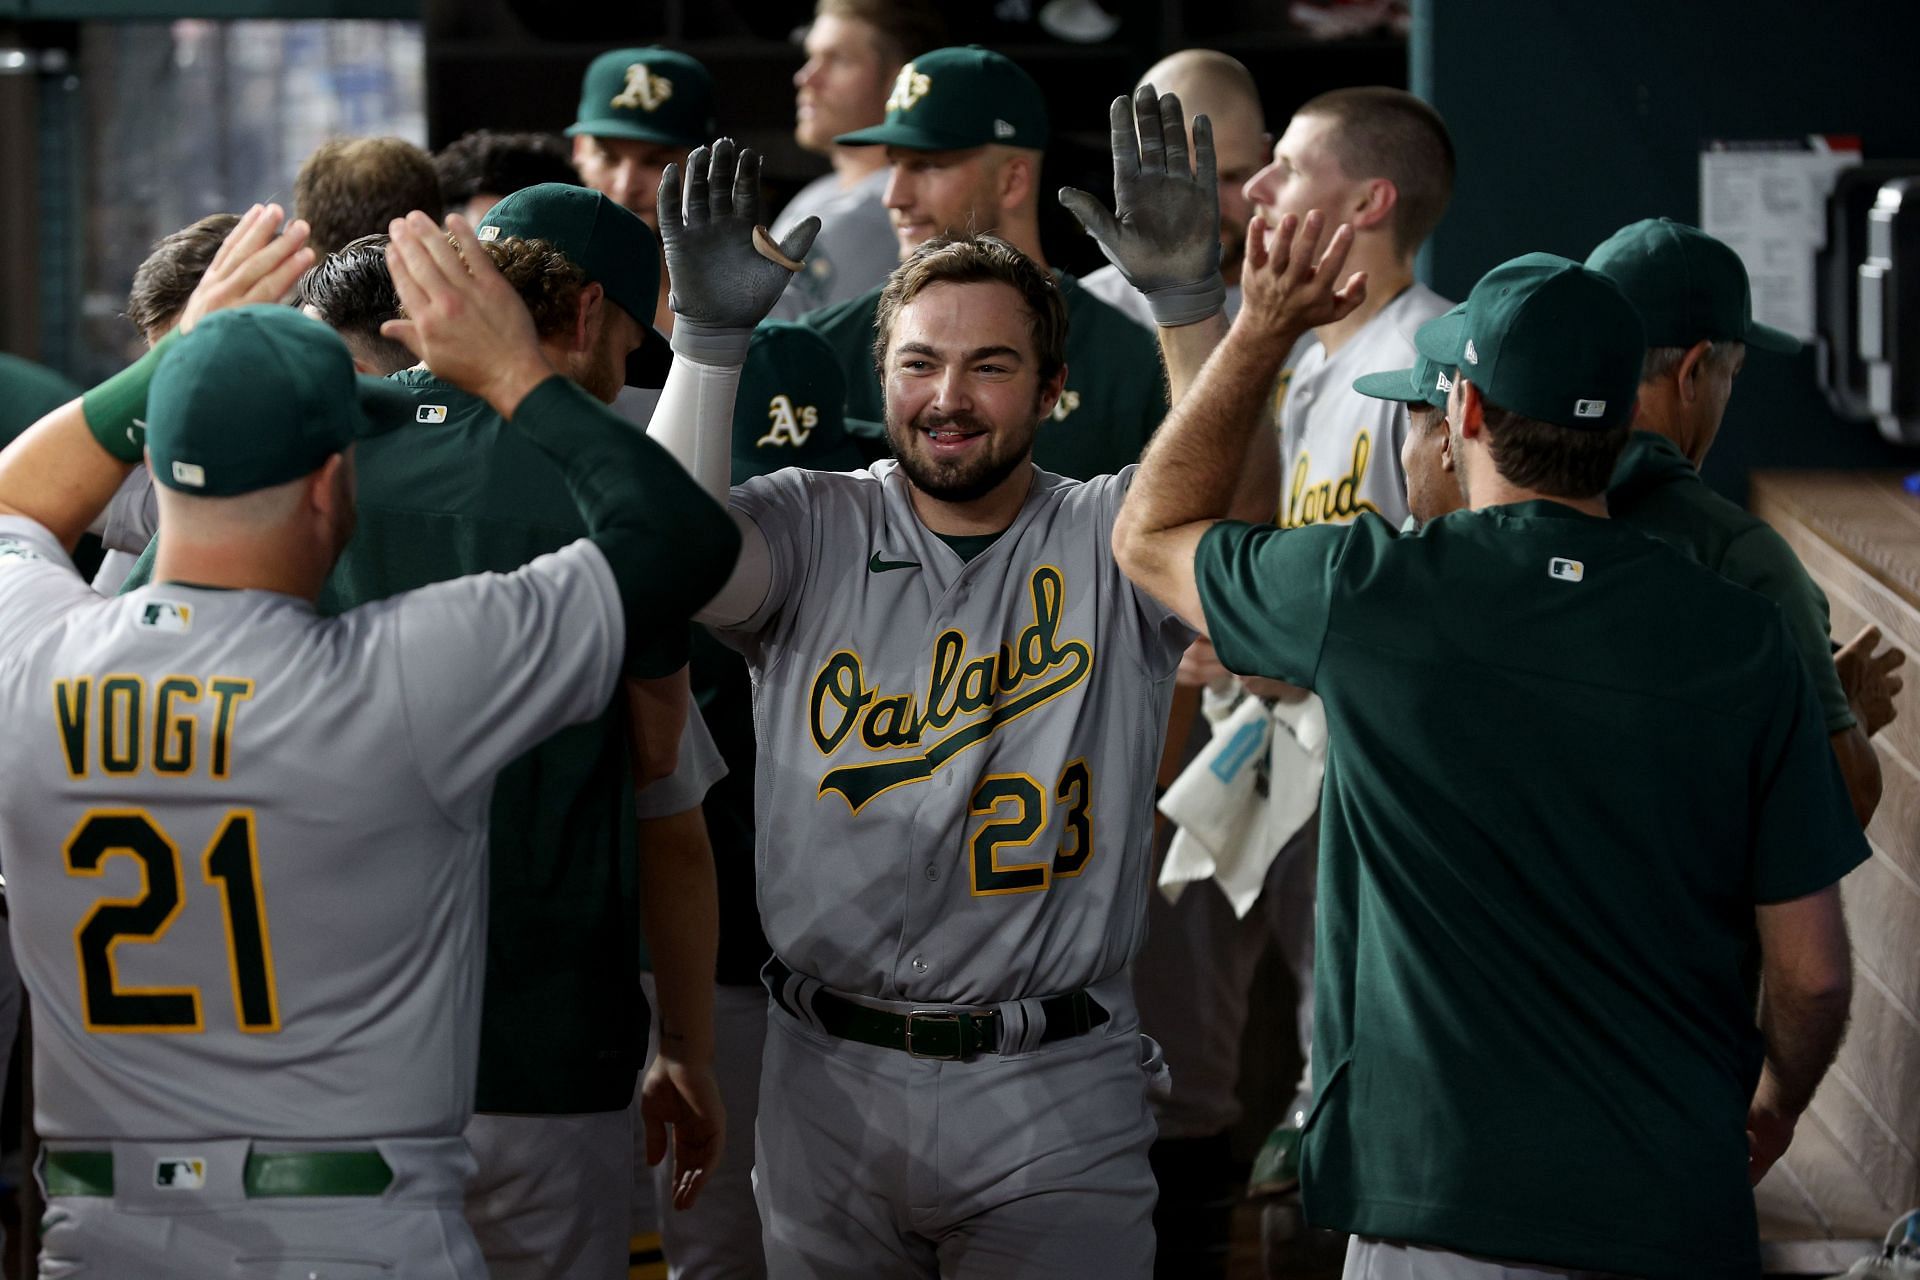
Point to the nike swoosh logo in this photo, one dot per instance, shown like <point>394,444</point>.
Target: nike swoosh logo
<point>877,565</point>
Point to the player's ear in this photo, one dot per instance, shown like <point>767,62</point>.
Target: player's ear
<point>1019,178</point>
<point>1446,446</point>
<point>1379,199</point>
<point>589,315</point>
<point>1050,392</point>
<point>1465,409</point>
<point>1691,366</point>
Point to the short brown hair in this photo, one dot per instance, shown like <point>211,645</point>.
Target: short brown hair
<point>352,187</point>
<point>1561,462</point>
<point>1389,133</point>
<point>905,28</point>
<point>485,163</point>
<point>173,269</point>
<point>546,280</point>
<point>977,259</point>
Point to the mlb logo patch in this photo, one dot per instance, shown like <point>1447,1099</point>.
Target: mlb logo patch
<point>166,615</point>
<point>1566,570</point>
<point>190,474</point>
<point>1589,408</point>
<point>430,413</point>
<point>489,234</point>
<point>179,1173</point>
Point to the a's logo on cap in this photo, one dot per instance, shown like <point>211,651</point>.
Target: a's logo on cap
<point>1001,129</point>
<point>190,475</point>
<point>1566,570</point>
<point>644,90</point>
<point>1444,383</point>
<point>908,89</point>
<point>165,615</point>
<point>792,423</point>
<point>1589,408</point>
<point>1473,357</point>
<point>489,234</point>
<point>180,1173</point>
<point>430,413</point>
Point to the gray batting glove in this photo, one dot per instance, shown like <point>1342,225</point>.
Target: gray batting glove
<point>725,278</point>
<point>1164,233</point>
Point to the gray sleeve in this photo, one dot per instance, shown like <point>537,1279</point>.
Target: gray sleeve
<point>492,664</point>
<point>132,516</point>
<point>781,507</point>
<point>38,583</point>
<point>686,787</point>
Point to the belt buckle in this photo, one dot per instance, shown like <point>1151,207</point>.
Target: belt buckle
<point>942,1017</point>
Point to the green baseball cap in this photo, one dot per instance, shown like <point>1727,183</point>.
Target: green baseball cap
<point>1426,383</point>
<point>604,239</point>
<point>790,411</point>
<point>1544,337</point>
<point>257,396</point>
<point>647,95</point>
<point>1688,286</point>
<point>954,99</point>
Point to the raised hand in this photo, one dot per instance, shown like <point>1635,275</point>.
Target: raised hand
<point>257,262</point>
<point>726,273</point>
<point>1163,232</point>
<point>1289,284</point>
<point>462,317</point>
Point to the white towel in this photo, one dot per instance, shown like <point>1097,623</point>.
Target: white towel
<point>1245,795</point>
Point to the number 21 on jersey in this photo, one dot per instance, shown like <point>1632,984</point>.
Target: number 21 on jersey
<point>232,863</point>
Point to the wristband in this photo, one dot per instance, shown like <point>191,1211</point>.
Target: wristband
<point>1184,304</point>
<point>116,410</point>
<point>707,344</point>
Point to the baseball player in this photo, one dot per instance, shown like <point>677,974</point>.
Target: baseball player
<point>1426,455</point>
<point>1536,916</point>
<point>254,958</point>
<point>479,169</point>
<point>1691,291</point>
<point>960,710</point>
<point>964,135</point>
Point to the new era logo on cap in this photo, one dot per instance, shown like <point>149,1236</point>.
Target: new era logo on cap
<point>1589,408</point>
<point>430,413</point>
<point>189,474</point>
<point>1444,383</point>
<point>1002,129</point>
<point>1473,357</point>
<point>1566,570</point>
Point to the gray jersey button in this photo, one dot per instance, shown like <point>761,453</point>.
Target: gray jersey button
<point>933,872</point>
<point>920,966</point>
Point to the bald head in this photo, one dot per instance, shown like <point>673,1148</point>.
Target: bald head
<point>1212,84</point>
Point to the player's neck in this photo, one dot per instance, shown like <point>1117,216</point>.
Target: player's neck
<point>853,165</point>
<point>267,563</point>
<point>1388,276</point>
<point>1022,231</point>
<point>1486,487</point>
<point>991,513</point>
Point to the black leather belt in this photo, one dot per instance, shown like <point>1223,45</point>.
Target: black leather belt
<point>946,1035</point>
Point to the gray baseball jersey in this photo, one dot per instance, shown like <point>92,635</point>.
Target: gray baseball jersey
<point>954,800</point>
<point>1108,285</point>
<point>1340,450</point>
<point>245,845</point>
<point>855,250</point>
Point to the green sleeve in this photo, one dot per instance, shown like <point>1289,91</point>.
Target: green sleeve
<point>142,572</point>
<point>1268,595</point>
<point>670,546</point>
<point>1761,560</point>
<point>1806,835</point>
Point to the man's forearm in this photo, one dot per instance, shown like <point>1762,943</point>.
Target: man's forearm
<point>680,914</point>
<point>1802,1035</point>
<point>1193,467</point>
<point>58,474</point>
<point>1859,767</point>
<point>1185,350</point>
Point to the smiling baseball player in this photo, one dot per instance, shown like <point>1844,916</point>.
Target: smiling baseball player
<point>960,706</point>
<point>244,843</point>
